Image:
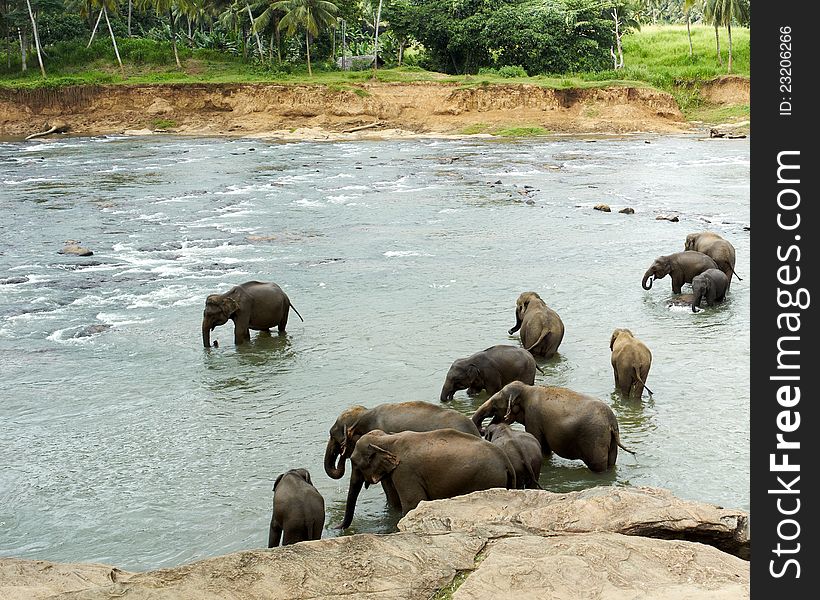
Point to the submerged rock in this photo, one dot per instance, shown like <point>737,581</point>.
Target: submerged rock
<point>672,218</point>
<point>627,211</point>
<point>602,207</point>
<point>75,250</point>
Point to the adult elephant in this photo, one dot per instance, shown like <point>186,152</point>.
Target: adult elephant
<point>357,420</point>
<point>523,450</point>
<point>631,360</point>
<point>251,305</point>
<point>711,285</point>
<point>541,328</point>
<point>298,509</point>
<point>428,465</point>
<point>717,248</point>
<point>490,370</point>
<point>681,266</point>
<point>573,425</point>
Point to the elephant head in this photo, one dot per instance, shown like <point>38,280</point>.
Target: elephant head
<point>462,375</point>
<point>691,241</point>
<point>343,437</point>
<point>700,289</point>
<point>373,461</point>
<point>218,309</point>
<point>504,406</point>
<point>616,334</point>
<point>659,269</point>
<point>521,306</point>
<point>301,473</point>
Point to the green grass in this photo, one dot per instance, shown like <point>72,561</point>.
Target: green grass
<point>446,593</point>
<point>527,131</point>
<point>164,124</point>
<point>474,129</point>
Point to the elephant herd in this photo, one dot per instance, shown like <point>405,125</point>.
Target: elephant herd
<point>423,451</point>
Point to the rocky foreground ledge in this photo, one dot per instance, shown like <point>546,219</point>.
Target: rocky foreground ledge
<point>608,543</point>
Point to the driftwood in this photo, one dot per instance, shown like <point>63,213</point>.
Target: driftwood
<point>362,127</point>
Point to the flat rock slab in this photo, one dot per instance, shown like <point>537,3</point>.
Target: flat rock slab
<point>640,511</point>
<point>605,566</point>
<point>398,566</point>
<point>35,579</point>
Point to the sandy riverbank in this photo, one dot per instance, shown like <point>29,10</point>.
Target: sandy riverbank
<point>385,110</point>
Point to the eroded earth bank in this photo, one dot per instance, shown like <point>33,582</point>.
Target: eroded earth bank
<point>605,542</point>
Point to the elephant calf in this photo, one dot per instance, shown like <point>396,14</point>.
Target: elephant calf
<point>570,424</point>
<point>541,328</point>
<point>523,450</point>
<point>428,465</point>
<point>681,266</point>
<point>251,305</point>
<point>298,509</point>
<point>631,360</point>
<point>490,369</point>
<point>710,285</point>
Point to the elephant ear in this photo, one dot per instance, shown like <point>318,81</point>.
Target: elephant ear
<point>304,474</point>
<point>229,306</point>
<point>384,461</point>
<point>474,374</point>
<point>615,335</point>
<point>278,479</point>
<point>512,398</point>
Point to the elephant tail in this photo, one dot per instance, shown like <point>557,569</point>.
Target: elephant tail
<point>540,370</point>
<point>297,312</point>
<point>616,437</point>
<point>638,377</point>
<point>511,483</point>
<point>544,335</point>
<point>533,479</point>
<point>735,274</point>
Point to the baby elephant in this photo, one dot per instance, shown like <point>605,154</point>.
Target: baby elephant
<point>490,370</point>
<point>298,509</point>
<point>631,360</point>
<point>712,285</point>
<point>682,267</point>
<point>523,450</point>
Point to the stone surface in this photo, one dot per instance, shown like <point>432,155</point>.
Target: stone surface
<point>35,579</point>
<point>605,566</point>
<point>602,207</point>
<point>642,511</point>
<point>627,211</point>
<point>75,250</point>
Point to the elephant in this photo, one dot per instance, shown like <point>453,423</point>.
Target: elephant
<point>489,369</point>
<point>682,266</point>
<point>571,424</point>
<point>298,509</point>
<point>631,360</point>
<point>712,285</point>
<point>428,465</point>
<point>541,328</point>
<point>523,450</point>
<point>54,126</point>
<point>717,248</point>
<point>251,305</point>
<point>393,418</point>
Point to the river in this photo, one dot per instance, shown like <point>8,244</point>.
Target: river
<point>126,442</point>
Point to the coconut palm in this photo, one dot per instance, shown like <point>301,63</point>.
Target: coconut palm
<point>723,12</point>
<point>688,5</point>
<point>36,37</point>
<point>166,7</point>
<point>102,7</point>
<point>310,15</point>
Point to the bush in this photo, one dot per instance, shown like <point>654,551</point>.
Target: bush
<point>511,71</point>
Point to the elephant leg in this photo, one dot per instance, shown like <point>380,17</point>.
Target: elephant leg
<point>275,534</point>
<point>391,494</point>
<point>411,498</point>
<point>617,384</point>
<point>284,322</point>
<point>677,284</point>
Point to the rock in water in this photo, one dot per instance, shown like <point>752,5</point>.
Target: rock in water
<point>602,207</point>
<point>627,211</point>
<point>76,251</point>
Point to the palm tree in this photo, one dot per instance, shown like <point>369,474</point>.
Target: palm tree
<point>263,21</point>
<point>167,7</point>
<point>36,37</point>
<point>312,15</point>
<point>723,12</point>
<point>688,5</point>
<point>87,7</point>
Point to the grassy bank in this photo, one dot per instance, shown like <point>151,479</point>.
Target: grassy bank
<point>656,56</point>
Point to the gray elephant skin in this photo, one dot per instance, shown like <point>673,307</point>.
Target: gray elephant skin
<point>573,425</point>
<point>523,450</point>
<point>631,360</point>
<point>681,266</point>
<point>491,369</point>
<point>717,248</point>
<point>428,465</point>
<point>298,509</point>
<point>357,420</point>
<point>711,285</point>
<point>253,305</point>
<point>541,328</point>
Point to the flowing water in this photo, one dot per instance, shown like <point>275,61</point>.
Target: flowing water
<point>124,441</point>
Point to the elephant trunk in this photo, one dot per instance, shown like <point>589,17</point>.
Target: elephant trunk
<point>356,481</point>
<point>696,300</point>
<point>333,469</point>
<point>517,324</point>
<point>48,131</point>
<point>482,413</point>
<point>447,391</point>
<point>206,333</point>
<point>646,277</point>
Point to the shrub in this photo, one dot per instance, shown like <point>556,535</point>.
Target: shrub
<point>510,71</point>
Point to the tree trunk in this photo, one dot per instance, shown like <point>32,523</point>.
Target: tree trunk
<point>174,37</point>
<point>689,33</point>
<point>729,28</point>
<point>619,60</point>
<point>113,40</point>
<point>130,7</point>
<point>376,40</point>
<point>278,41</point>
<point>401,51</point>
<point>94,31</point>
<point>717,44</point>
<point>36,38</point>
<point>307,46</point>
<point>255,33</point>
<point>23,44</point>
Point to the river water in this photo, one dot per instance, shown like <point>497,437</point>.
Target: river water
<point>126,442</point>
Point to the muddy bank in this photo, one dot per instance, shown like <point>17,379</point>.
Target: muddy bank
<point>607,541</point>
<point>329,112</point>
